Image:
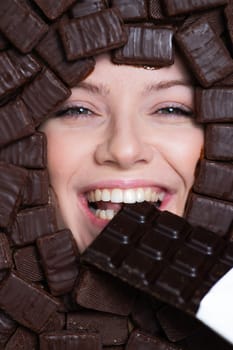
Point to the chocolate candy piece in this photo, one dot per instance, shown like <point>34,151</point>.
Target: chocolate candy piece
<point>5,253</point>
<point>214,179</point>
<point>216,215</point>
<point>22,339</point>
<point>12,181</point>
<point>28,305</point>
<point>19,118</point>
<point>113,329</point>
<point>21,25</point>
<point>44,95</point>
<point>15,70</point>
<point>31,224</point>
<point>56,322</point>
<point>28,265</point>
<point>29,152</point>
<point>86,7</point>
<point>131,11</point>
<point>214,105</point>
<point>54,8</point>
<point>58,252</point>
<point>142,341</point>
<point>219,142</point>
<point>7,328</point>
<point>36,191</point>
<point>80,339</point>
<point>51,50</point>
<point>178,7</point>
<point>139,50</point>
<point>208,58</point>
<point>93,34</point>
<point>98,291</point>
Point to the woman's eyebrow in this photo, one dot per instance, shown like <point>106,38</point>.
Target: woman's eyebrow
<point>166,85</point>
<point>96,89</point>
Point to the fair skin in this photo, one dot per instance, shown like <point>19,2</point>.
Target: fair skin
<point>126,134</point>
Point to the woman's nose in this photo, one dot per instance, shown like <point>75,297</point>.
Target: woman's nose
<point>124,145</point>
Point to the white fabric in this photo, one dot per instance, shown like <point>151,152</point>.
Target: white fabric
<point>216,308</point>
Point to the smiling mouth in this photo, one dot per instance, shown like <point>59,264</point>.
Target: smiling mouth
<point>105,203</point>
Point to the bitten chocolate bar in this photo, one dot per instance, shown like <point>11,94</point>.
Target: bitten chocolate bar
<point>54,8</point>
<point>177,7</point>
<point>214,105</point>
<point>93,34</point>
<point>131,10</point>
<point>51,50</point>
<point>59,257</point>
<point>219,142</point>
<point>139,49</point>
<point>21,25</point>
<point>207,56</point>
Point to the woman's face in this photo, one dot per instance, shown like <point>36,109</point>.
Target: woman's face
<point>126,134</point>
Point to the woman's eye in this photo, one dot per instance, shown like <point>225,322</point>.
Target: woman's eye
<point>74,111</point>
<point>175,111</point>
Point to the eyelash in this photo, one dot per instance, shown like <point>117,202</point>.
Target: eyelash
<point>175,111</point>
<point>73,111</point>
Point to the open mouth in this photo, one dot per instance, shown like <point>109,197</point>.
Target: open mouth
<point>105,203</point>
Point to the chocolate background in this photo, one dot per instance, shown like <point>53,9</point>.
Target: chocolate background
<point>46,48</point>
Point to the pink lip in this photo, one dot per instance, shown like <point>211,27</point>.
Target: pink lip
<point>99,223</point>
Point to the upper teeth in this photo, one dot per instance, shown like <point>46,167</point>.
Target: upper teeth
<point>129,195</point>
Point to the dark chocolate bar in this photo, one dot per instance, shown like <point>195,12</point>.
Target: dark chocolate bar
<point>219,142</point>
<point>12,182</point>
<point>206,54</point>
<point>57,322</point>
<point>216,215</point>
<point>59,257</point>
<point>21,25</point>
<point>98,291</point>
<point>5,253</point>
<point>131,10</point>
<point>214,179</point>
<point>51,50</point>
<point>93,34</point>
<point>142,341</point>
<point>7,328</point>
<point>36,191</point>
<point>28,305</point>
<point>33,223</point>
<point>27,264</point>
<point>29,152</point>
<point>22,339</point>
<point>44,94</point>
<point>214,105</point>
<point>172,261</point>
<point>86,7</point>
<point>177,7</point>
<point>20,118</point>
<point>54,8</point>
<point>70,340</point>
<point>113,329</point>
<point>15,70</point>
<point>139,51</point>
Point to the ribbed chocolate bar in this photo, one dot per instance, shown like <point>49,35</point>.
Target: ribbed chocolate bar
<point>177,7</point>
<point>113,329</point>
<point>51,50</point>
<point>19,125</point>
<point>86,7</point>
<point>214,105</point>
<point>59,257</point>
<point>131,10</point>
<point>22,339</point>
<point>98,291</point>
<point>219,142</point>
<point>93,34</point>
<point>80,339</point>
<point>36,191</point>
<point>16,70</point>
<point>44,94</point>
<point>216,215</point>
<point>28,305</point>
<point>54,8</point>
<point>27,264</point>
<point>12,182</point>
<point>7,328</point>
<point>138,49</point>
<point>31,224</point>
<point>29,152</point>
<point>207,56</point>
<point>214,179</point>
<point>171,261</point>
<point>21,25</point>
